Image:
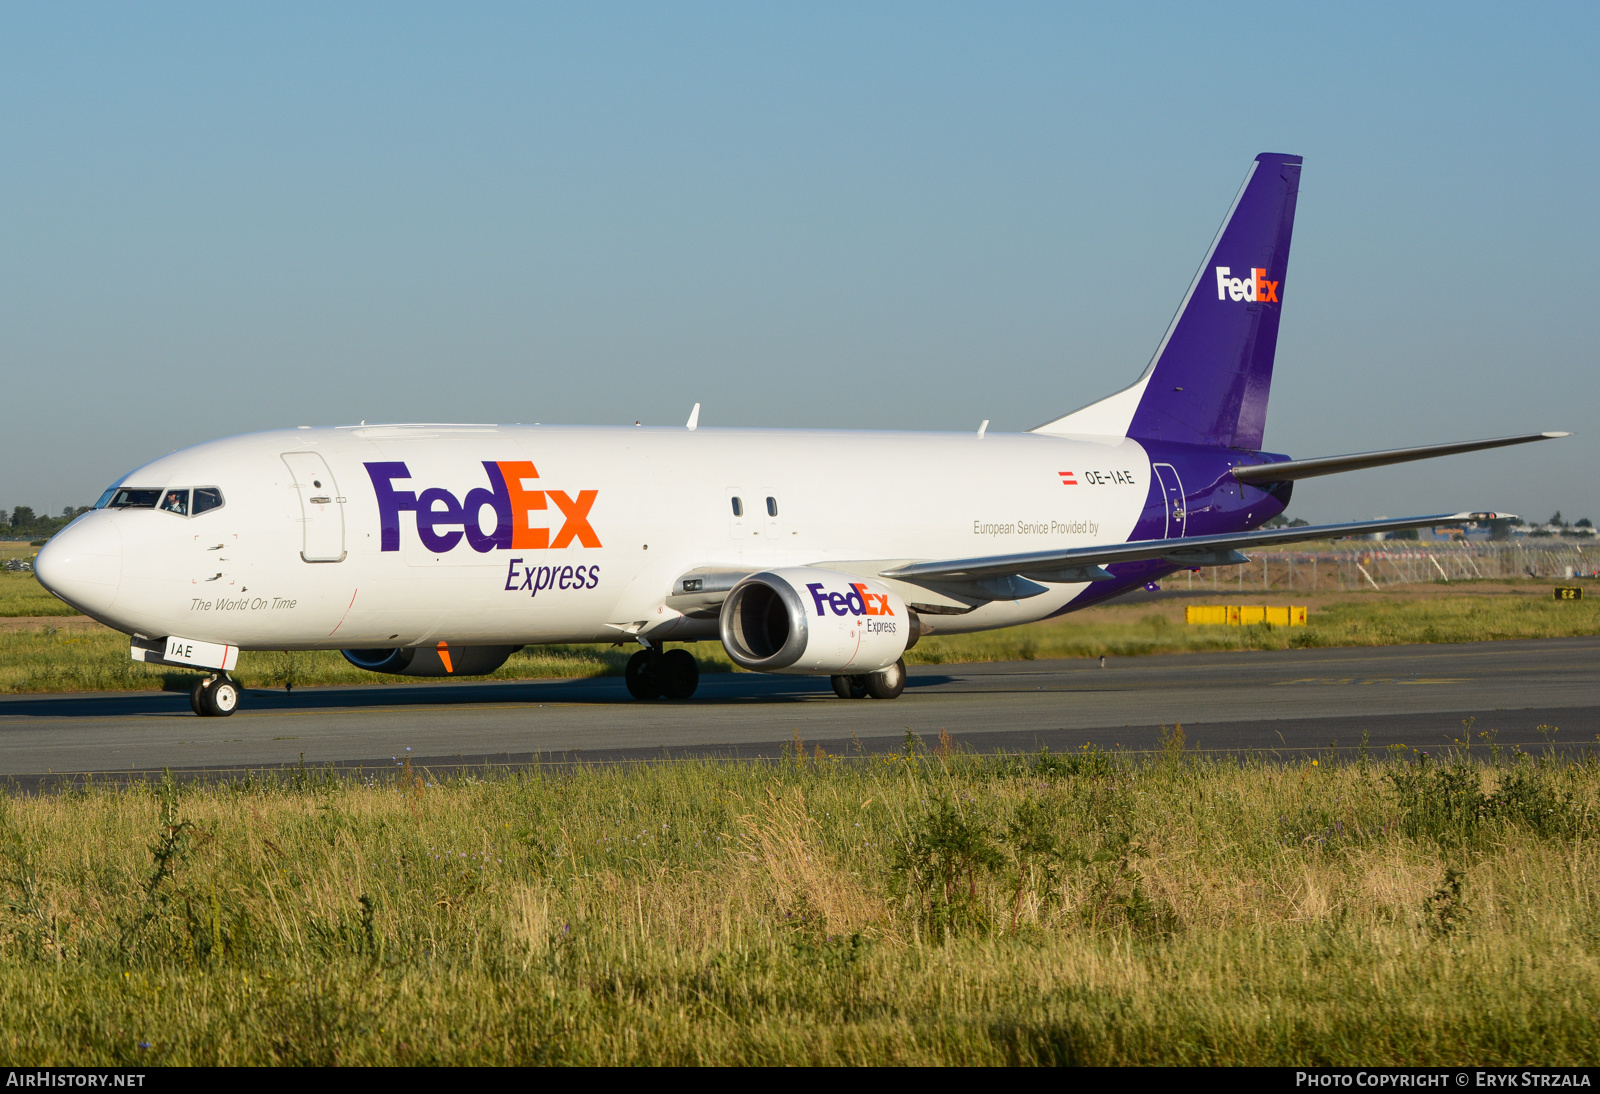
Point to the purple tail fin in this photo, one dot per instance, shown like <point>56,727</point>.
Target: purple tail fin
<point>1209,380</point>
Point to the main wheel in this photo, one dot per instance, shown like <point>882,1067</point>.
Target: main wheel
<point>197,698</point>
<point>220,699</point>
<point>643,678</point>
<point>680,674</point>
<point>850,687</point>
<point>888,683</point>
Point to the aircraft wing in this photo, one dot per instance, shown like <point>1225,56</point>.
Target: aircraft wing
<point>1086,563</point>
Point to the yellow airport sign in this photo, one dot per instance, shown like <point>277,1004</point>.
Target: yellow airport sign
<point>1243,615</point>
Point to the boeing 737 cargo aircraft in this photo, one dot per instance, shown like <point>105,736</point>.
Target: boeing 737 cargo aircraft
<point>439,550</point>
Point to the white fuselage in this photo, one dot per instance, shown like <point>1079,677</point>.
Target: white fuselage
<point>662,505</point>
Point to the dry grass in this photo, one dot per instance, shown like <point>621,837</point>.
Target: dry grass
<point>911,909</point>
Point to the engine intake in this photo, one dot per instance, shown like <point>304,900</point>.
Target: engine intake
<point>810,621</point>
<point>440,660</point>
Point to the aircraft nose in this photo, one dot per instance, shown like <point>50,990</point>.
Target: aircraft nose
<point>82,564</point>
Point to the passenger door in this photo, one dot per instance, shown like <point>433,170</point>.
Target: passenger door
<point>321,507</point>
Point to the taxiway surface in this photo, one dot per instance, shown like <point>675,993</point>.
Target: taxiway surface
<point>1419,696</point>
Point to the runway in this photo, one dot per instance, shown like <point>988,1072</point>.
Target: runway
<point>1281,701</point>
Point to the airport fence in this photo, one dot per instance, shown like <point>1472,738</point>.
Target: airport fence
<point>1358,565</point>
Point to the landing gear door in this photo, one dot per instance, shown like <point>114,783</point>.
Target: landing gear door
<point>321,507</point>
<point>1172,492</point>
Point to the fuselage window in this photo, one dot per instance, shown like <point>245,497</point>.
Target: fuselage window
<point>176,501</point>
<point>206,498</point>
<point>738,507</point>
<point>772,507</point>
<point>130,497</point>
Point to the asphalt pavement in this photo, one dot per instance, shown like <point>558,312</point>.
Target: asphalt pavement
<point>1529,694</point>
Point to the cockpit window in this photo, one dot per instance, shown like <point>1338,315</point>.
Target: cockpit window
<point>111,491</point>
<point>132,497</point>
<point>177,500</point>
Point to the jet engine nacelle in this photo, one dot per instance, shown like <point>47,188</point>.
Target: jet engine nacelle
<point>810,621</point>
<point>441,660</point>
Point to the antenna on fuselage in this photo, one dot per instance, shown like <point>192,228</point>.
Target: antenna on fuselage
<point>982,429</point>
<point>694,418</point>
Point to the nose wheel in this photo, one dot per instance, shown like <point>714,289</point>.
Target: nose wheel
<point>214,697</point>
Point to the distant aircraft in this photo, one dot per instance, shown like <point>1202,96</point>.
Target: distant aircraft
<point>439,550</point>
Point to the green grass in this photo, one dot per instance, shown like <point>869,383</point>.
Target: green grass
<point>1375,619</point>
<point>920,909</point>
<point>57,659</point>
<point>52,657</point>
<point>21,595</point>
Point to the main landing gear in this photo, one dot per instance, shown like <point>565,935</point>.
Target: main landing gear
<point>652,674</point>
<point>884,684</point>
<point>215,696</point>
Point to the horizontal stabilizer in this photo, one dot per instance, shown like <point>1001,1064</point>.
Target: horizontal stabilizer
<point>1219,550</point>
<point>1333,465</point>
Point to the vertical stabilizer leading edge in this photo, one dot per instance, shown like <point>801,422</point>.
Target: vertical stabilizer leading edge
<point>1209,379</point>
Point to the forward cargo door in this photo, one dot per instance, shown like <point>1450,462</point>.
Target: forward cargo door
<point>321,507</point>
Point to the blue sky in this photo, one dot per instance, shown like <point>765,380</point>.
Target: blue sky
<point>220,218</point>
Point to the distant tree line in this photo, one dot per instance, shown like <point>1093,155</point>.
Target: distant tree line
<point>1557,526</point>
<point>25,523</point>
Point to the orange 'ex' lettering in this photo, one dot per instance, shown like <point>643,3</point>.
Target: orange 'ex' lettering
<point>524,501</point>
<point>576,512</point>
<point>873,603</point>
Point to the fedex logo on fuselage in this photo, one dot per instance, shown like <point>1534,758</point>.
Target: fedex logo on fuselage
<point>856,602</point>
<point>1255,288</point>
<point>443,520</point>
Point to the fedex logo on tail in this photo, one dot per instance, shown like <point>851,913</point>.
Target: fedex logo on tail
<point>1255,288</point>
<point>856,602</point>
<point>443,520</point>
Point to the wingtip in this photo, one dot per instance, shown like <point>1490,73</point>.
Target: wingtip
<point>1550,436</point>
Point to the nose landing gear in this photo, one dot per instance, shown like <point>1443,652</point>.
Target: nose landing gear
<point>214,697</point>
<point>651,674</point>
